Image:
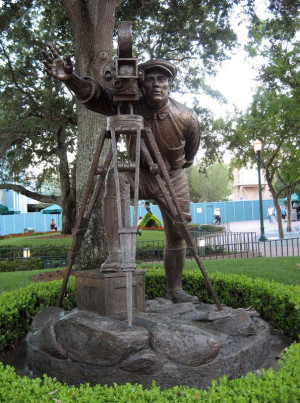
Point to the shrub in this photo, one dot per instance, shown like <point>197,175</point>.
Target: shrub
<point>210,228</point>
<point>150,220</point>
<point>20,264</point>
<point>274,301</point>
<point>280,386</point>
<point>11,252</point>
<point>17,309</point>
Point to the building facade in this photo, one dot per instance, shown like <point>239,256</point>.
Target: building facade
<point>245,186</point>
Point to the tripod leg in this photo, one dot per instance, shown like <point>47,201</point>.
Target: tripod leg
<point>111,225</point>
<point>82,222</point>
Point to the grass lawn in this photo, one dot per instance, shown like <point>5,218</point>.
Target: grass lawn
<point>53,240</point>
<point>12,280</point>
<point>150,235</point>
<point>280,269</point>
<point>35,240</point>
<point>284,270</point>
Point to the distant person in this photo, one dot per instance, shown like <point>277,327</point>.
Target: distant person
<point>217,216</point>
<point>139,221</point>
<point>147,207</point>
<point>270,214</point>
<point>52,225</point>
<point>274,214</point>
<point>283,212</point>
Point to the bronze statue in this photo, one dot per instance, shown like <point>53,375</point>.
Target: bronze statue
<point>177,133</point>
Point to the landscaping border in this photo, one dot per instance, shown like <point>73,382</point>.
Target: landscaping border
<point>276,302</point>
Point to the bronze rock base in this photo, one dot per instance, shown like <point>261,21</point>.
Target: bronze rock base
<point>173,344</point>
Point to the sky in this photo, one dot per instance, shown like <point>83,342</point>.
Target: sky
<point>236,78</point>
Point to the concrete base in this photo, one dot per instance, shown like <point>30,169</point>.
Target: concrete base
<point>105,293</point>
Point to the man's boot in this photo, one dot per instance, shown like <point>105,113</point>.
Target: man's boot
<point>111,225</point>
<point>174,261</point>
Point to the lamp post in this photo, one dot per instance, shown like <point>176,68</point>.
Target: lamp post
<point>257,149</point>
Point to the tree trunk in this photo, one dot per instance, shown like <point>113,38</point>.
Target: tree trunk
<point>93,25</point>
<point>289,211</point>
<point>279,218</point>
<point>68,195</point>
<point>94,248</point>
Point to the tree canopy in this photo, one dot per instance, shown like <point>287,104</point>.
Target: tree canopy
<point>273,116</point>
<point>209,186</point>
<point>38,122</point>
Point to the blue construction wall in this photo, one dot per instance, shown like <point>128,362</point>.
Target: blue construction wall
<point>15,224</point>
<point>202,213</point>
<point>15,200</point>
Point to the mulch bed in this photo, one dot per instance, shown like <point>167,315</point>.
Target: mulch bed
<point>55,275</point>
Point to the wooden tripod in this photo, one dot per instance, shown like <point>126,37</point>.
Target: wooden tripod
<point>157,168</point>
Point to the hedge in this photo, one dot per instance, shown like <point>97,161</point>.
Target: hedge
<point>274,301</point>
<point>281,386</point>
<point>18,307</point>
<point>20,265</point>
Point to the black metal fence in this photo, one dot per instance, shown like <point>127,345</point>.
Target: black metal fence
<point>51,256</point>
<point>271,248</point>
<point>210,246</point>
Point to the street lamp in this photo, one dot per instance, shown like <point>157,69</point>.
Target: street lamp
<point>257,149</point>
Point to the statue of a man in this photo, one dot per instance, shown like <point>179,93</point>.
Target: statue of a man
<point>177,133</point>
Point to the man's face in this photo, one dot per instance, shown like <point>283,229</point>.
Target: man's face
<point>156,88</point>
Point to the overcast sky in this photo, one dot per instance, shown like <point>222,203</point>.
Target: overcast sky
<point>236,77</point>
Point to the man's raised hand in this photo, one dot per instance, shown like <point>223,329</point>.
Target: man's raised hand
<point>55,66</point>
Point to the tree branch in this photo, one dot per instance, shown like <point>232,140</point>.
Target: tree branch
<point>33,195</point>
<point>271,159</point>
<point>287,187</point>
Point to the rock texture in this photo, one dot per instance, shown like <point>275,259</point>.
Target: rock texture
<point>173,344</point>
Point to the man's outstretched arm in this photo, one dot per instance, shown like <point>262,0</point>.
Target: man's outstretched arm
<point>62,70</point>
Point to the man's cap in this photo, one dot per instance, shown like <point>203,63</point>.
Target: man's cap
<point>164,65</point>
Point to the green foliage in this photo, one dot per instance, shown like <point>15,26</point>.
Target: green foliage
<point>209,186</point>
<point>273,117</point>
<point>34,251</point>
<point>17,308</point>
<point>20,265</point>
<point>150,220</point>
<point>281,386</point>
<point>239,291</point>
<point>270,386</point>
<point>181,30</point>
<point>210,228</point>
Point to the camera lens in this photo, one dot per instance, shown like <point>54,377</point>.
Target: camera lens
<point>108,75</point>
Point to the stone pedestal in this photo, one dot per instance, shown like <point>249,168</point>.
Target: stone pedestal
<point>105,293</point>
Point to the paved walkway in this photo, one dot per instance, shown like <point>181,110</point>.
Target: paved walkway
<point>271,229</point>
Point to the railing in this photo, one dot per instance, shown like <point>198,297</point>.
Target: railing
<point>51,256</point>
<point>272,248</point>
<point>153,251</point>
<point>224,238</point>
<point>280,247</point>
